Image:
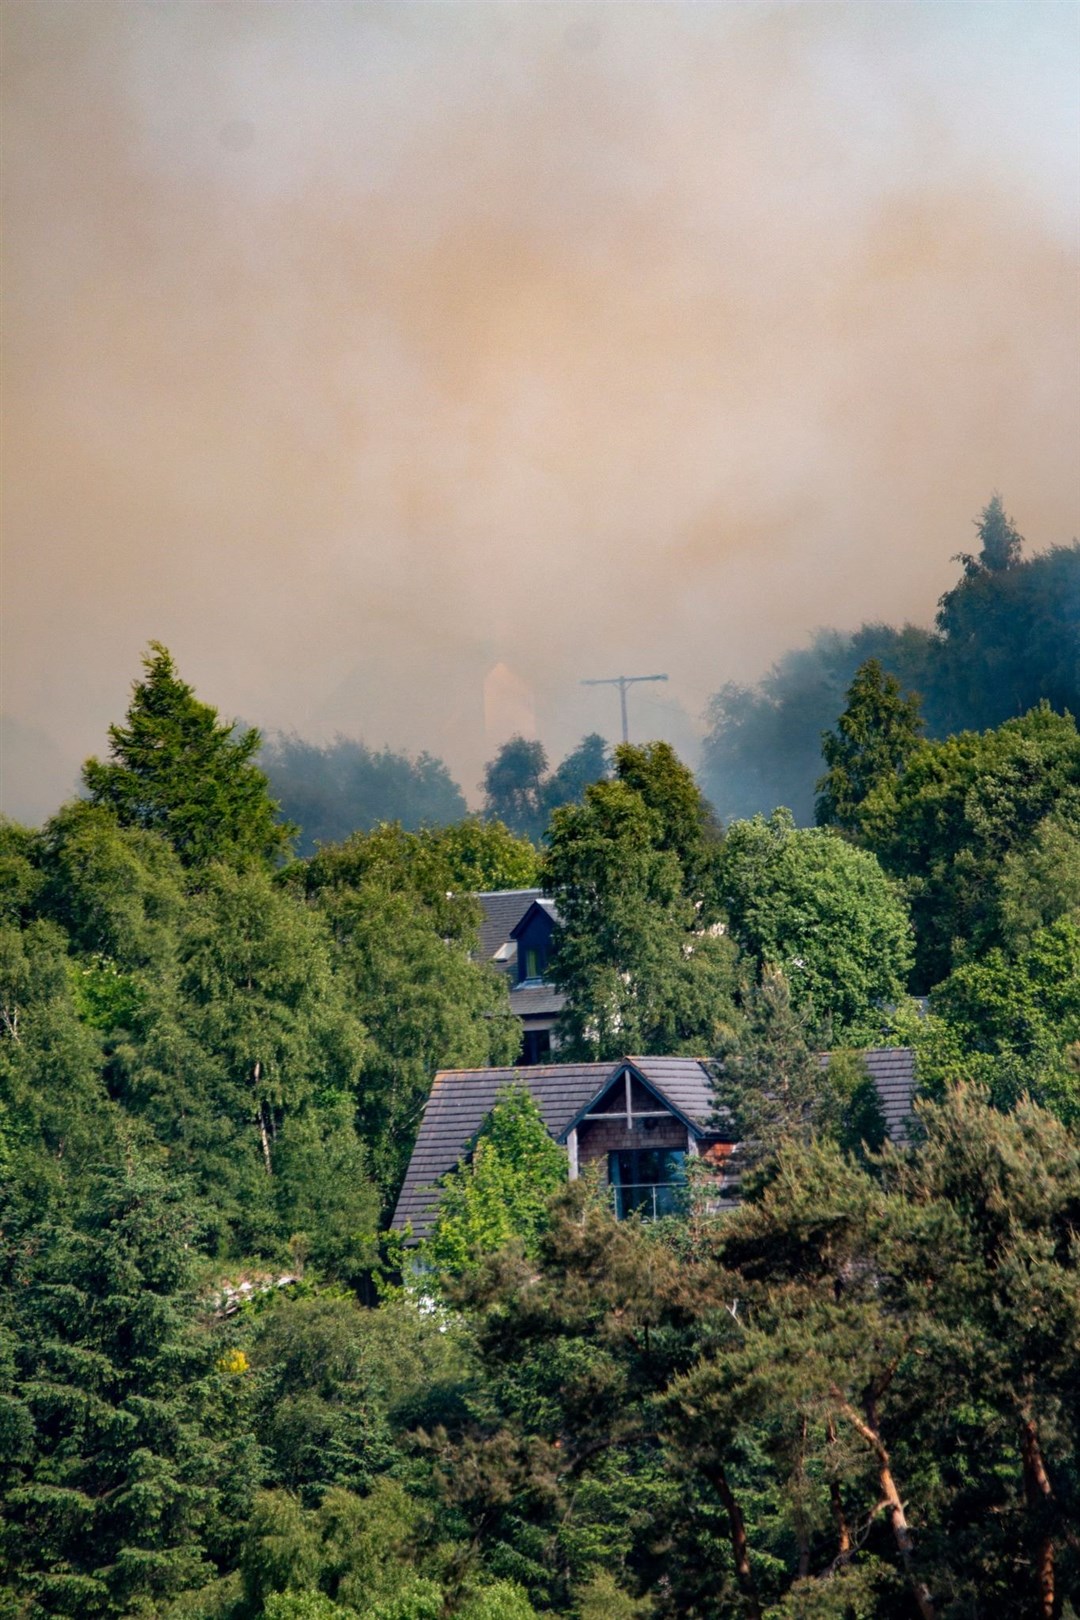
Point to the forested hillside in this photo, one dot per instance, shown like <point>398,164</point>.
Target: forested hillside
<point>226,1393</point>
<point>345,787</point>
<point>1006,636</point>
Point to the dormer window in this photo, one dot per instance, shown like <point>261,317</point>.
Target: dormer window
<point>533,938</point>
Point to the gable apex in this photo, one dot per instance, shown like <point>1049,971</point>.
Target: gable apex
<point>696,1123</point>
<point>541,906</point>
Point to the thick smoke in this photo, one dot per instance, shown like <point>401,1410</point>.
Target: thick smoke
<point>352,350</point>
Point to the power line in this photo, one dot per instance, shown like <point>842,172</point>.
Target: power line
<point>622,682</point>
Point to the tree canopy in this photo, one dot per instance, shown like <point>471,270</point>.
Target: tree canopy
<point>774,1086</point>
<point>344,786</point>
<point>641,969</point>
<point>959,811</point>
<point>874,738</point>
<point>688,827</point>
<point>1005,638</point>
<point>520,790</point>
<point>852,1396</point>
<point>175,769</point>
<point>501,1190</point>
<point>824,913</point>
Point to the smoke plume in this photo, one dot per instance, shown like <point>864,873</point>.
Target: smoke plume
<point>352,351</point>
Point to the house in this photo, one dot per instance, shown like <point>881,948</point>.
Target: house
<point>515,937</point>
<point>639,1118</point>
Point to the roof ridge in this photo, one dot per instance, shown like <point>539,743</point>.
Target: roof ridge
<point>533,1068</point>
<point>494,894</point>
<point>663,1057</point>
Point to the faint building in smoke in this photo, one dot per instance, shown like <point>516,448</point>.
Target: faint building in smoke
<point>509,706</point>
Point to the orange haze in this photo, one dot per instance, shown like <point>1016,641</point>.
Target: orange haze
<point>353,349</point>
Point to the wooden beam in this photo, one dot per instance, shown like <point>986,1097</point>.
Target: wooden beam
<point>571,1153</point>
<point>644,1113</point>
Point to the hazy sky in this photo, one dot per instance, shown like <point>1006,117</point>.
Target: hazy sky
<point>350,349</point>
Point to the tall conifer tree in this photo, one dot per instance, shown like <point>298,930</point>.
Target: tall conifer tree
<point>177,770</point>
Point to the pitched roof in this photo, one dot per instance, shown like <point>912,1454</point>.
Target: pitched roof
<point>541,903</point>
<point>502,910</point>
<point>460,1101</point>
<point>686,1083</point>
<point>683,1083</point>
<point>892,1069</point>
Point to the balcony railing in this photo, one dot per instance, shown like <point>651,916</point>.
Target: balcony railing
<point>650,1199</point>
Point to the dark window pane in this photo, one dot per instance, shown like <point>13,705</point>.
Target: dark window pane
<point>647,1181</point>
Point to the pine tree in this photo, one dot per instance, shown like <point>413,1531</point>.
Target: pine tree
<point>1001,541</point>
<point>133,1476</point>
<point>770,1078</point>
<point>176,770</point>
<point>874,738</point>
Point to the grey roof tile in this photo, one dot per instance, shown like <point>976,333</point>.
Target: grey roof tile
<point>892,1069</point>
<point>528,1000</point>
<point>685,1082</point>
<point>503,909</point>
<point>461,1100</point>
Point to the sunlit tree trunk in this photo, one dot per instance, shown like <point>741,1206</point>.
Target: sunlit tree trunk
<point>894,1507</point>
<point>1037,1493</point>
<point>740,1547</point>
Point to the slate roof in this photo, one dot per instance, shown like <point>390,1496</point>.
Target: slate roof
<point>530,1000</point>
<point>685,1082</point>
<point>503,909</point>
<point>892,1069</point>
<point>461,1100</point>
<point>541,903</point>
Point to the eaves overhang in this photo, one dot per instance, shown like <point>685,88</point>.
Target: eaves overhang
<point>624,1066</point>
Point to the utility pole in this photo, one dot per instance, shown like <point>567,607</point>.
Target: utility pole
<point>622,682</point>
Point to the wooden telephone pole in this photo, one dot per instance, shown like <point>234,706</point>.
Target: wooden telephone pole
<point>622,682</point>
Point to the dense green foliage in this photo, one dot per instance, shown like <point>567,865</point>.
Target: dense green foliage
<point>129,1476</point>
<point>403,931</point>
<point>776,1090</point>
<point>856,1395</point>
<point>501,1189</point>
<point>1007,636</point>
<point>227,1394</point>
<point>824,913</point>
<point>179,771</point>
<point>344,787</point>
<point>688,828</point>
<point>841,1400</point>
<point>632,868</point>
<point>521,791</point>
<point>483,855</point>
<point>874,738</point>
<point>950,821</point>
